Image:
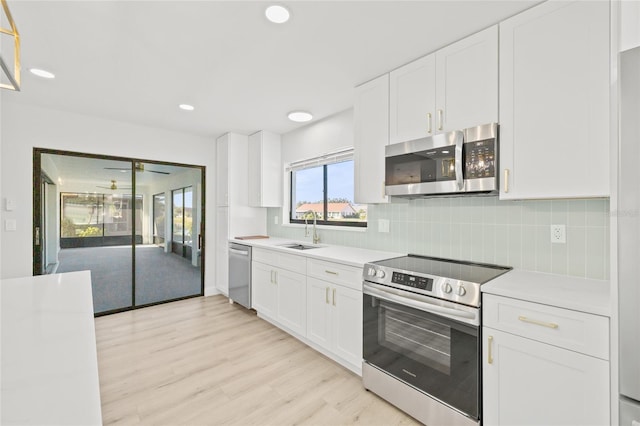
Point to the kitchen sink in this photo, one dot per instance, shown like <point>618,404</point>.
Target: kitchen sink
<point>298,246</point>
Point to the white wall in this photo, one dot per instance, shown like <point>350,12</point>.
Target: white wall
<point>25,127</point>
<point>318,138</point>
<point>629,24</point>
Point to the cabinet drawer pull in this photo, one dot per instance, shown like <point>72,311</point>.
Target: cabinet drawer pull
<point>506,181</point>
<point>429,129</point>
<point>326,295</point>
<point>440,124</point>
<point>489,354</point>
<point>331,272</point>
<point>536,322</point>
<point>334,297</point>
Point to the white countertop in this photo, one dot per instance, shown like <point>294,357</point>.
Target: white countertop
<point>352,256</point>
<point>49,358</point>
<point>579,294</point>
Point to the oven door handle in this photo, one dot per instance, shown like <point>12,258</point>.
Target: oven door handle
<point>455,312</point>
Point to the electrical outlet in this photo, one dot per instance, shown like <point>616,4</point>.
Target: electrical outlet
<point>275,219</point>
<point>383,225</point>
<point>558,234</point>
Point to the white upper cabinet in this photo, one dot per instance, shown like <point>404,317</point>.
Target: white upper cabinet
<point>451,89</point>
<point>412,100</point>
<point>265,172</point>
<point>554,101</point>
<point>467,82</point>
<point>371,135</point>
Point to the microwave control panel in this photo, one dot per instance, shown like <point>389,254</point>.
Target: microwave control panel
<point>421,283</point>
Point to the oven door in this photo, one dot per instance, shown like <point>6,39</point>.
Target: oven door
<point>430,344</point>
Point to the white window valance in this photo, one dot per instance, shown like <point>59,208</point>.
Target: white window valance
<point>337,156</point>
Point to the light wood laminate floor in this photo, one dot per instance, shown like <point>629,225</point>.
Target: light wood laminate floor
<point>203,361</point>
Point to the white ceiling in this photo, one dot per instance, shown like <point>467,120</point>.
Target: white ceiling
<point>135,61</point>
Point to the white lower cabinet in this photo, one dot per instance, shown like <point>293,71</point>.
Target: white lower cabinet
<point>292,295</point>
<point>529,378</point>
<point>264,293</point>
<point>320,302</point>
<point>279,294</point>
<point>334,320</point>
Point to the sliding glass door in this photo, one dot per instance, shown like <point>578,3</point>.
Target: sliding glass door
<point>108,217</point>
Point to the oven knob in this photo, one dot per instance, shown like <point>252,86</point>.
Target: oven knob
<point>380,273</point>
<point>446,287</point>
<point>371,272</point>
<point>461,291</point>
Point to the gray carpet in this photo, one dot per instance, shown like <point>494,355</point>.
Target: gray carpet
<point>159,276</point>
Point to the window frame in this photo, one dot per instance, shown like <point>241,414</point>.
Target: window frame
<point>325,215</point>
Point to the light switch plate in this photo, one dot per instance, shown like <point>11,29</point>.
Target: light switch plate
<point>10,225</point>
<point>9,204</point>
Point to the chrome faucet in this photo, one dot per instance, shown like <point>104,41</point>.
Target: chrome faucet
<point>316,237</point>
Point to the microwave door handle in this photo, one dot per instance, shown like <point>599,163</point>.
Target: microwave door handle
<point>459,140</point>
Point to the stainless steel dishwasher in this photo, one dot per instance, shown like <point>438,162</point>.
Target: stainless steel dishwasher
<point>240,274</point>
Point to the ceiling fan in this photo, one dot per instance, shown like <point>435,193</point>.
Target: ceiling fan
<point>113,186</point>
<point>139,168</point>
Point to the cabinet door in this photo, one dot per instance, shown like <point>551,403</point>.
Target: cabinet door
<point>265,171</point>
<point>292,298</point>
<point>222,250</point>
<point>412,99</point>
<point>318,312</point>
<point>532,383</point>
<point>467,82</point>
<point>347,324</point>
<point>371,135</point>
<point>264,292</point>
<point>554,101</point>
<point>222,171</point>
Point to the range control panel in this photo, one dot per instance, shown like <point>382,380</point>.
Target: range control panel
<point>412,281</point>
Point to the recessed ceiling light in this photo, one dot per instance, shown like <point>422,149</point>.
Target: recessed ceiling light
<point>300,116</point>
<point>42,73</point>
<point>277,14</point>
<point>186,107</point>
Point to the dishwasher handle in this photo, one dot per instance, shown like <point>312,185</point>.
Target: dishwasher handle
<point>240,252</point>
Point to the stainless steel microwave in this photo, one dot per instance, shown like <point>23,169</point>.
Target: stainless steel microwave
<point>451,163</point>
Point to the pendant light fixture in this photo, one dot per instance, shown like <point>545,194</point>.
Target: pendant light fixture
<point>13,76</point>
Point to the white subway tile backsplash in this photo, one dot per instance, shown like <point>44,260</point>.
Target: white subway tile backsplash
<point>485,229</point>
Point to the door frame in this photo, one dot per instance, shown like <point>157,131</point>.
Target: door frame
<point>37,214</point>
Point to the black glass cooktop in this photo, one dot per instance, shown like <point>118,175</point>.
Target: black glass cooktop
<point>478,273</point>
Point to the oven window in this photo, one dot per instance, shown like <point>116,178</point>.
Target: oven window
<point>437,355</point>
<point>420,339</point>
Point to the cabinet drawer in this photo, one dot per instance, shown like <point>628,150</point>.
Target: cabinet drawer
<point>335,273</point>
<point>290,262</point>
<point>263,256</point>
<point>577,331</point>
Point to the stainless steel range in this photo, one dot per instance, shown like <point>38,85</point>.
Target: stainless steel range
<point>421,336</point>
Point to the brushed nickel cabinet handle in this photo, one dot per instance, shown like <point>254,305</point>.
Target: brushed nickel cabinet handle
<point>429,128</point>
<point>326,295</point>
<point>334,297</point>
<point>331,272</point>
<point>536,322</point>
<point>506,181</point>
<point>440,119</point>
<point>489,353</point>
